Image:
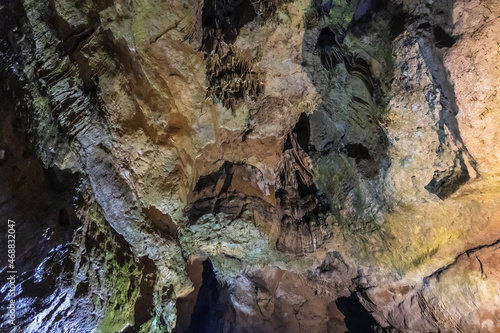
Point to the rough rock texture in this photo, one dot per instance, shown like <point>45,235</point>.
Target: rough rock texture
<point>239,166</point>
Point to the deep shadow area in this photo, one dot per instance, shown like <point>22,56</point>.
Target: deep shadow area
<point>302,131</point>
<point>39,200</point>
<point>144,306</point>
<point>357,151</point>
<point>357,318</point>
<point>442,38</point>
<point>202,319</point>
<point>210,311</point>
<point>41,203</point>
<point>224,19</point>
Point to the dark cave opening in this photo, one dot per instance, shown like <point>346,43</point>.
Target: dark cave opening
<point>302,131</point>
<point>326,39</point>
<point>357,318</point>
<point>357,151</point>
<point>203,312</point>
<point>207,309</point>
<point>63,217</point>
<point>303,189</point>
<point>443,39</point>
<point>398,23</point>
<point>144,306</point>
<point>328,47</point>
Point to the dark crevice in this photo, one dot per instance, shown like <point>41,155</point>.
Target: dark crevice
<point>302,130</point>
<point>77,39</point>
<point>443,39</point>
<point>202,317</point>
<point>424,26</point>
<point>398,23</point>
<point>207,181</point>
<point>329,46</point>
<point>483,274</point>
<point>288,143</point>
<point>144,305</point>
<point>357,151</point>
<point>301,187</point>
<point>357,318</point>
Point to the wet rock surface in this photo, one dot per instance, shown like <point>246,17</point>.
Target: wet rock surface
<point>239,166</point>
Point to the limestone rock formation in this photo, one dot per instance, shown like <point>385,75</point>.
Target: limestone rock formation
<point>251,166</point>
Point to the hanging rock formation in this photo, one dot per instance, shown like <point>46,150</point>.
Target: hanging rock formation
<point>238,166</point>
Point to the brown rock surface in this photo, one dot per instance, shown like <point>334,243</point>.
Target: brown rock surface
<point>239,166</point>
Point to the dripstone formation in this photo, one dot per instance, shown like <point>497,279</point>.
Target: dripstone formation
<point>251,166</point>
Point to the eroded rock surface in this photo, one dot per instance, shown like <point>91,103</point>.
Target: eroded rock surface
<point>239,166</point>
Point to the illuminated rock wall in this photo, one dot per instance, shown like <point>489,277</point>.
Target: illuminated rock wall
<point>239,166</point>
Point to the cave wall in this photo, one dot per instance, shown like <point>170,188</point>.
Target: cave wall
<point>239,166</point>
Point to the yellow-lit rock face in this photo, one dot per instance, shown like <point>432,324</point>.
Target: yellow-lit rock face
<point>320,166</point>
<point>472,63</point>
<point>469,216</point>
<point>473,282</point>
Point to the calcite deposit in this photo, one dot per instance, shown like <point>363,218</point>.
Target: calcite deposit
<point>251,166</point>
